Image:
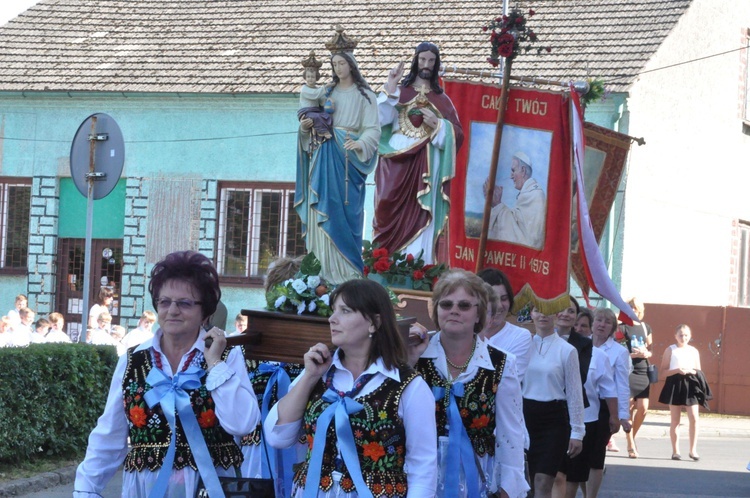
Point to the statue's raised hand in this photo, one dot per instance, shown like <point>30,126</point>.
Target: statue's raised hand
<point>394,76</point>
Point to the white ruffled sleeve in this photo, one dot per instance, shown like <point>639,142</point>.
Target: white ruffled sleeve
<point>508,471</point>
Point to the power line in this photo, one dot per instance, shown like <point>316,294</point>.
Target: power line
<point>677,64</point>
<point>206,139</point>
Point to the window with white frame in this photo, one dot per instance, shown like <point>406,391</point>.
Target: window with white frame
<point>15,208</point>
<point>743,265</point>
<point>257,224</point>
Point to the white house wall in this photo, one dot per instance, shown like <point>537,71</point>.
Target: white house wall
<point>688,184</point>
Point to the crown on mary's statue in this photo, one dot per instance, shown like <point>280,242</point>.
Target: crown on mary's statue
<point>341,42</point>
<point>311,61</point>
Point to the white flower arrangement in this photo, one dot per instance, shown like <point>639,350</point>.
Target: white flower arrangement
<point>305,293</point>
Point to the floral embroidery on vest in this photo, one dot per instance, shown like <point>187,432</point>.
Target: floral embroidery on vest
<point>149,430</point>
<point>378,434</point>
<point>260,381</point>
<point>477,406</point>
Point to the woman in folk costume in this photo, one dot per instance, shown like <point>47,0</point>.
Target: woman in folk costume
<point>476,395</point>
<point>367,416</point>
<point>178,400</point>
<point>330,189</point>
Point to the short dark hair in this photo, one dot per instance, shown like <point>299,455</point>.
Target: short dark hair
<point>371,299</point>
<point>588,314</point>
<point>190,267</point>
<point>104,293</point>
<point>493,276</point>
<point>461,279</point>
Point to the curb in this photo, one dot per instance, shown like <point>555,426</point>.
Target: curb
<point>39,482</point>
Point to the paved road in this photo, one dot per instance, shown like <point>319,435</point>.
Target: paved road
<point>724,446</point>
<point>721,471</point>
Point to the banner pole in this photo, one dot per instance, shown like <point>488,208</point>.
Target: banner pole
<point>493,164</point>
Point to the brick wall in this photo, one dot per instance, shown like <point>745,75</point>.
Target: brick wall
<point>45,202</point>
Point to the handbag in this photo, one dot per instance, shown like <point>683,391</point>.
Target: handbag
<point>652,371</point>
<point>243,487</point>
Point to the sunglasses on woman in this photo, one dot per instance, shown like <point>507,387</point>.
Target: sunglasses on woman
<point>447,304</point>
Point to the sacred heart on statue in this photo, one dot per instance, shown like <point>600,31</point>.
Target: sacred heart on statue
<point>416,117</point>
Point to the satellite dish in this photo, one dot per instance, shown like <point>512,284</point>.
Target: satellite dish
<point>108,155</point>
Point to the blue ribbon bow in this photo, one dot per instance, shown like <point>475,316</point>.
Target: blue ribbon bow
<point>340,408</point>
<point>170,393</point>
<point>460,450</point>
<point>280,461</point>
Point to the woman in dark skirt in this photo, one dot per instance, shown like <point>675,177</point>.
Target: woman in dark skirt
<point>679,363</point>
<point>552,404</point>
<point>640,345</point>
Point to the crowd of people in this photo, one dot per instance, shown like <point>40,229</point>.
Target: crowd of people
<point>449,413</point>
<point>19,329</point>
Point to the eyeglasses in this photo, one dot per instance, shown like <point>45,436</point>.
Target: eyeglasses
<point>164,303</point>
<point>447,304</point>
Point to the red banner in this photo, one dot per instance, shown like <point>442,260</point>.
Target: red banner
<point>530,225</point>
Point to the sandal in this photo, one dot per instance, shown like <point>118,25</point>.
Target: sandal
<point>632,453</point>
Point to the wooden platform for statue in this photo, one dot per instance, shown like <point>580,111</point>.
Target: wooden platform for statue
<point>286,337</point>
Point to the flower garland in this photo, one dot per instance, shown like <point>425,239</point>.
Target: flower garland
<point>507,34</point>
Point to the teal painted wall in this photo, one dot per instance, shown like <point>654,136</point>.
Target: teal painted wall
<point>10,287</point>
<point>109,213</point>
<point>246,137</point>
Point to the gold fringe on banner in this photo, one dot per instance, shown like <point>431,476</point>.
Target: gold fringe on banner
<point>546,306</point>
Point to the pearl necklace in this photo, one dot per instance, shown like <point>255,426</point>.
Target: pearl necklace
<point>463,367</point>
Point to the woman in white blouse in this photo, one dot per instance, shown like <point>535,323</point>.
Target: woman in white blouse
<point>367,416</point>
<point>604,325</point>
<point>552,403</point>
<point>679,363</point>
<point>477,395</point>
<point>173,377</point>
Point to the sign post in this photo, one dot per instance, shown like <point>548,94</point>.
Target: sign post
<point>96,160</point>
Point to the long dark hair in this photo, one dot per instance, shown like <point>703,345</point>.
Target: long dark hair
<point>371,299</point>
<point>414,71</point>
<point>357,77</point>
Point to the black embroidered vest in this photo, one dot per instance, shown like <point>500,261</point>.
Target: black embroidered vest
<point>259,382</point>
<point>379,436</point>
<point>477,406</point>
<point>149,430</point>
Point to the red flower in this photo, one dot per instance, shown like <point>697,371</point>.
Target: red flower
<point>207,419</point>
<point>480,422</point>
<point>505,50</point>
<point>484,28</point>
<point>500,19</point>
<point>532,36</point>
<point>381,265</point>
<point>492,61</point>
<point>531,12</point>
<point>548,49</point>
<point>366,271</point>
<point>519,20</point>
<point>619,336</point>
<point>138,416</point>
<point>380,252</point>
<point>409,257</point>
<point>374,451</point>
<point>418,275</point>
